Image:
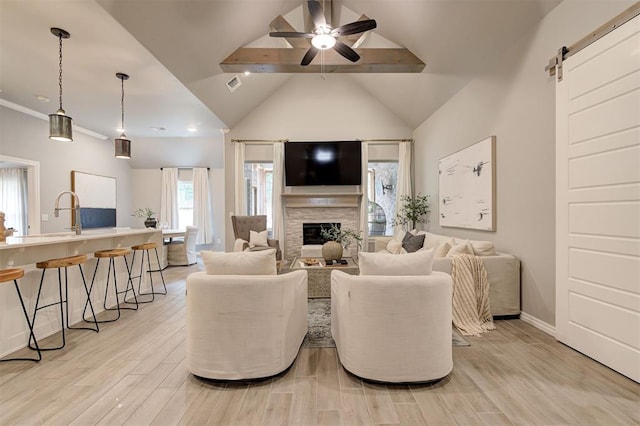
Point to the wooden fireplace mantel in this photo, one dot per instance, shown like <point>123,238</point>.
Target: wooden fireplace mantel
<point>308,199</point>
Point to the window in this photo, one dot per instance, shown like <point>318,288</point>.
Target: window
<point>185,204</point>
<point>383,176</point>
<point>259,183</point>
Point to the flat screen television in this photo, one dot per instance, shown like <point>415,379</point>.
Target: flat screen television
<point>323,163</point>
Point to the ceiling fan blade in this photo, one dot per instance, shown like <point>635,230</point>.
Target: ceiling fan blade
<point>308,57</point>
<point>354,28</point>
<point>290,34</point>
<point>317,14</point>
<point>346,51</point>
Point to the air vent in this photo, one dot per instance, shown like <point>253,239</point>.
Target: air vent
<point>234,83</point>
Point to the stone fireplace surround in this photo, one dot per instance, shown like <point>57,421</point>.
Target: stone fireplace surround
<point>302,208</point>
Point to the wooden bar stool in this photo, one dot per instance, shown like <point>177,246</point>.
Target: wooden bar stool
<point>145,249</point>
<point>59,264</point>
<point>112,254</point>
<point>7,275</point>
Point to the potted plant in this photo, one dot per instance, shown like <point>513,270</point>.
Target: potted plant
<point>150,221</point>
<point>338,239</point>
<point>413,210</point>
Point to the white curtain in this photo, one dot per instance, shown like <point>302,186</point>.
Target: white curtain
<point>364,204</point>
<point>277,186</point>
<point>169,197</point>
<point>202,205</point>
<point>13,199</point>
<point>403,186</point>
<point>241,191</point>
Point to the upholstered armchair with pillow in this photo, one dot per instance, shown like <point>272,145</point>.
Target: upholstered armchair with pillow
<point>503,269</point>
<point>392,323</point>
<point>250,233</point>
<point>243,320</point>
<point>183,252</point>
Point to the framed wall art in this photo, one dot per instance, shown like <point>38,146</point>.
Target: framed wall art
<point>97,196</point>
<point>466,182</point>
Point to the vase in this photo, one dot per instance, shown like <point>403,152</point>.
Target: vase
<point>332,250</point>
<point>150,222</point>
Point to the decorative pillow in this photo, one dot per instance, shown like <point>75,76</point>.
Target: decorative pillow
<point>483,248</point>
<point>442,249</point>
<point>258,239</point>
<point>412,243</point>
<point>394,246</point>
<point>460,248</point>
<point>418,263</point>
<point>432,240</point>
<point>261,262</point>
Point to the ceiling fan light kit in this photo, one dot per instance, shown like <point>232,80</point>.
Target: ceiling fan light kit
<point>324,37</point>
<point>60,124</point>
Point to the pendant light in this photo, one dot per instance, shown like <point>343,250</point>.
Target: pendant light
<point>60,123</point>
<point>123,145</point>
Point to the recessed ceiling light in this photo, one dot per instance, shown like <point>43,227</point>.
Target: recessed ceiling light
<point>192,129</point>
<point>247,72</point>
<point>159,129</point>
<point>42,98</point>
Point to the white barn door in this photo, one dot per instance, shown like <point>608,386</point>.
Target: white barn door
<point>598,201</point>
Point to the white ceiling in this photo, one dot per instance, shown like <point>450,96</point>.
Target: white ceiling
<point>172,50</point>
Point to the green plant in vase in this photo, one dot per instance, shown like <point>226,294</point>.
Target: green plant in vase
<point>150,221</point>
<point>413,210</point>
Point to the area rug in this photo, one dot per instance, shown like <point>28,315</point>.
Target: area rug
<point>319,327</point>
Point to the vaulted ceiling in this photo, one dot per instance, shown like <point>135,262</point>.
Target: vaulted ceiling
<point>173,49</point>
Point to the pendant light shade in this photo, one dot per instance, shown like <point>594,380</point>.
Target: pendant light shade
<point>122,144</point>
<point>60,124</point>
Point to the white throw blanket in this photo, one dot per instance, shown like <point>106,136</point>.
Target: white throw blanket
<point>471,311</point>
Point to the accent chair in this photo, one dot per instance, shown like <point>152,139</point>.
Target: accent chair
<point>244,322</point>
<point>242,227</point>
<point>393,328</point>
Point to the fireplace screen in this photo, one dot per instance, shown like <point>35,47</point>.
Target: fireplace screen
<point>311,232</point>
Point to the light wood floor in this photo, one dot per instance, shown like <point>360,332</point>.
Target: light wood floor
<point>133,372</point>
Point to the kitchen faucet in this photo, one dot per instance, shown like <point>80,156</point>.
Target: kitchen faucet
<point>75,208</point>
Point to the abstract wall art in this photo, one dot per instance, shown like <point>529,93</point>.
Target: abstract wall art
<point>467,187</point>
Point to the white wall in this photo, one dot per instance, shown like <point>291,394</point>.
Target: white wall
<point>515,100</point>
<point>27,137</point>
<point>310,108</point>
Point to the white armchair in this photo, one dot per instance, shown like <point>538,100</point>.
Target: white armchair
<point>183,252</point>
<point>393,328</point>
<point>244,326</point>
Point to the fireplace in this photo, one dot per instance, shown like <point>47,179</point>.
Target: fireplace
<point>311,232</point>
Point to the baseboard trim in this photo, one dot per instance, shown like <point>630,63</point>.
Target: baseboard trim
<point>538,323</point>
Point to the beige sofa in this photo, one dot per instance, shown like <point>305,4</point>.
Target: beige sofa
<point>503,269</point>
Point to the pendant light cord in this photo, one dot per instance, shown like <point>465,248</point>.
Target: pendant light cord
<point>122,104</point>
<point>60,69</point>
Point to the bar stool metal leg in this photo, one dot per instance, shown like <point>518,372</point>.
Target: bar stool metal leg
<point>145,248</point>
<point>111,255</point>
<point>5,276</point>
<point>63,301</point>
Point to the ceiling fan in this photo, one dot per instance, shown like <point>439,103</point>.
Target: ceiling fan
<point>325,37</point>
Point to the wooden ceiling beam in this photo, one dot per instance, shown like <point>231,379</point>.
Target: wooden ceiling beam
<point>286,60</point>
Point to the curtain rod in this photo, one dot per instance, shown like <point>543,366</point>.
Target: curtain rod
<point>287,140</point>
<point>208,168</point>
<point>386,140</point>
<point>259,140</point>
